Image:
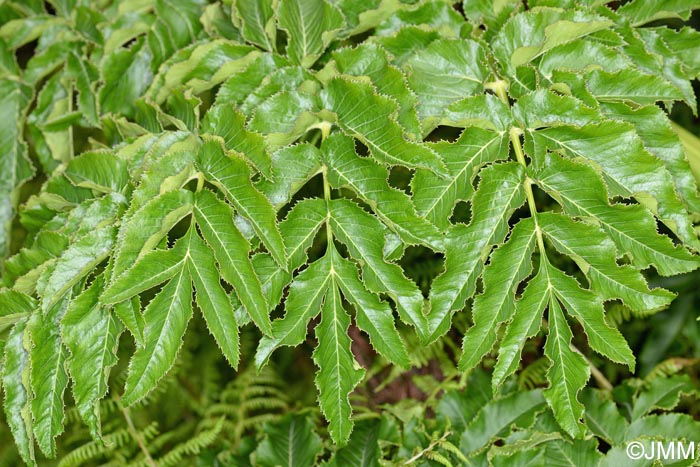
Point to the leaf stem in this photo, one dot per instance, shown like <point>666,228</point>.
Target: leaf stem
<point>327,197</point>
<point>499,87</point>
<point>430,447</point>
<point>515,134</point>
<point>134,433</point>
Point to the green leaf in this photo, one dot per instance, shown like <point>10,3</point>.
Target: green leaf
<point>16,384</point>
<point>595,255</point>
<point>662,393</point>
<point>654,128</point>
<point>338,372</point>
<point>567,374</point>
<point>293,167</point>
<point>225,121</point>
<point>166,318</point>
<point>434,15</point>
<point>154,268</point>
<point>581,452</point>
<point>91,334</point>
<point>435,197</point>
<point>98,170</point>
<point>374,124</point>
<point>212,299</point>
<point>291,442</point>
<point>311,25</point>
<point>15,306</point>
<point>498,416</point>
<point>200,67</point>
<point>126,74</point>
<point>304,301</point>
<point>362,449</point>
<point>358,231</point>
<point>369,181</point>
<point>406,42</point>
<point>284,77</point>
<point>148,225</point>
<point>528,35</point>
<point>525,324</point>
<point>75,263</point>
<point>49,378</point>
<point>244,83</point>
<point>232,176</point>
<point>640,12</point>
<point>588,310</point>
<point>635,172</point>
<point>215,219</point>
<point>369,60</point>
<point>129,313</point>
<point>285,117</point>
<point>372,315</point>
<point>582,56</point>
<point>664,426</point>
<point>14,161</point>
<point>255,19</point>
<point>445,72</point>
<point>500,192</point>
<point>682,43</point>
<point>510,264</point>
<point>632,228</point>
<point>85,74</point>
<point>603,418</point>
<point>630,85</point>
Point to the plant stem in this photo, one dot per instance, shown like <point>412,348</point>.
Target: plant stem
<point>427,449</point>
<point>135,434</point>
<point>327,197</point>
<point>520,156</point>
<point>600,378</point>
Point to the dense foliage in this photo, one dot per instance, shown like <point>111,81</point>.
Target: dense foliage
<point>214,214</point>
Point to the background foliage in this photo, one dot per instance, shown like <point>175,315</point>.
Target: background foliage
<point>342,233</point>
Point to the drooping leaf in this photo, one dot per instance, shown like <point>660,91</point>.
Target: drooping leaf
<point>16,385</point>
<point>232,176</point>
<point>166,318</point>
<point>595,254</point>
<point>212,299</point>
<point>369,181</point>
<point>631,227</point>
<point>338,374</point>
<point>510,264</point>
<point>499,193</point>
<point>91,334</point>
<point>373,123</point>
<point>372,315</point>
<point>357,230</point>
<point>215,219</point>
<point>14,161</point>
<point>49,378</point>
<point>567,374</point>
